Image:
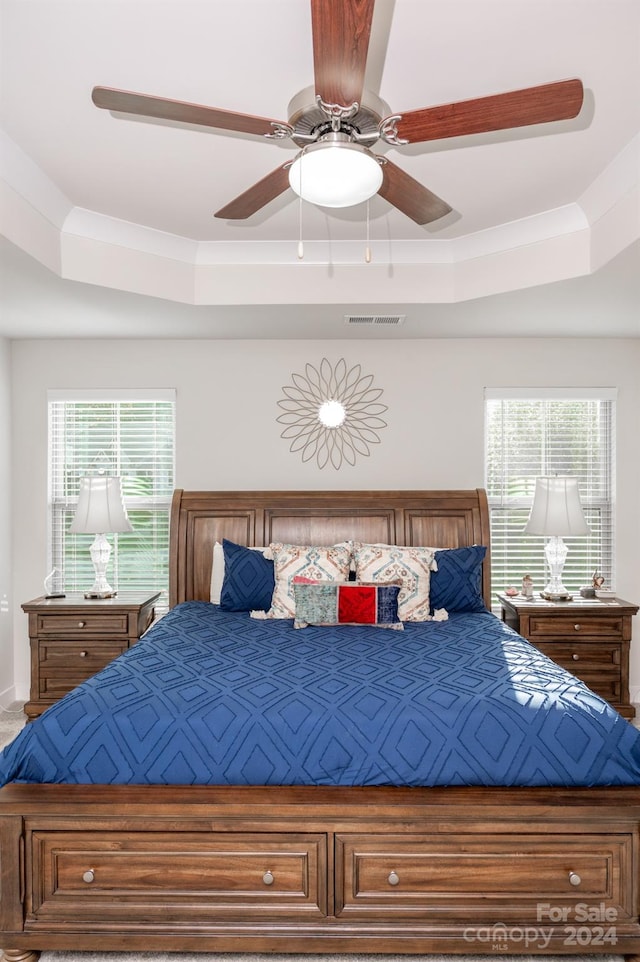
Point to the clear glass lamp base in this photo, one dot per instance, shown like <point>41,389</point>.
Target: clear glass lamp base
<point>100,552</point>
<point>556,553</point>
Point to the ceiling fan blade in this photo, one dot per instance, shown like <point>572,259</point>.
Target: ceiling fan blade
<point>409,196</point>
<point>517,108</point>
<point>145,105</point>
<point>341,31</point>
<point>257,196</point>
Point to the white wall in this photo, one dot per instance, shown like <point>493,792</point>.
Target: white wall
<point>227,435</point>
<point>6,644</point>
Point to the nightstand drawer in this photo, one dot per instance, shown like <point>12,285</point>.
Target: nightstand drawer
<point>544,626</point>
<point>66,664</point>
<point>582,657</point>
<point>93,622</point>
<point>607,686</point>
<point>73,656</point>
<point>53,686</point>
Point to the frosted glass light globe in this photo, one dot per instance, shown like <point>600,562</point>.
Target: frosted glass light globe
<point>332,414</point>
<point>335,174</point>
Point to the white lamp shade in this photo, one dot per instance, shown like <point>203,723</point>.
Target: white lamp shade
<point>556,509</point>
<point>335,174</point>
<point>100,507</point>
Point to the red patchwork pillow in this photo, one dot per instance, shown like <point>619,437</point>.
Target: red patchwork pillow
<point>346,603</point>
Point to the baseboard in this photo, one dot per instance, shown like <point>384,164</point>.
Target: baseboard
<point>9,698</point>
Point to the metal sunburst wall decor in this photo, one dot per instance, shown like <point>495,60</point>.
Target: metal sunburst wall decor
<point>332,413</point>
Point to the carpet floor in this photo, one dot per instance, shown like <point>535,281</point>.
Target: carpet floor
<point>12,720</point>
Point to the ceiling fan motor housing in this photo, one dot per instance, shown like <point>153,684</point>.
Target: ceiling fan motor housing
<point>310,120</point>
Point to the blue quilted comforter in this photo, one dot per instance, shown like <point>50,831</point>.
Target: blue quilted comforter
<point>209,697</point>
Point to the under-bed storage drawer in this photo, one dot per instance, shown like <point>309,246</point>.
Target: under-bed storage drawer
<point>490,875</point>
<point>117,875</point>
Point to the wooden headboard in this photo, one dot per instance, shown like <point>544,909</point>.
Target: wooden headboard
<point>443,519</point>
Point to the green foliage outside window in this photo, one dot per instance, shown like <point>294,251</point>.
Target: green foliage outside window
<point>533,437</point>
<point>133,439</point>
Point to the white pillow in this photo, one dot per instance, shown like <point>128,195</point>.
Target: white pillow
<point>217,571</point>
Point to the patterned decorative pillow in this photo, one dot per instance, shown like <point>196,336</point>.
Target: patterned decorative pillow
<point>457,584</point>
<point>248,579</point>
<point>312,562</point>
<point>410,566</point>
<point>350,603</point>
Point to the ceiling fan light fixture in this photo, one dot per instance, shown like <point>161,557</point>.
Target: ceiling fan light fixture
<point>334,172</point>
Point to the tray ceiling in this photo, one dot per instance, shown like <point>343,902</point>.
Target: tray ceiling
<point>128,204</point>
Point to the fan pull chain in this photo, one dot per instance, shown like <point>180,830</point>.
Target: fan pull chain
<point>300,243</point>
<point>367,250</point>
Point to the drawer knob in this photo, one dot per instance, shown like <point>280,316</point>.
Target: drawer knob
<point>574,878</point>
<point>89,875</point>
<point>577,627</point>
<point>83,654</point>
<point>575,656</point>
<point>394,878</point>
<point>267,878</point>
<point>82,624</point>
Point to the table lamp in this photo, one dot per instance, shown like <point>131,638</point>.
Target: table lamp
<point>556,513</point>
<point>100,511</point>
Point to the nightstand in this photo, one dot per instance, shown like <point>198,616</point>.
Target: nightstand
<point>588,637</point>
<point>74,637</point>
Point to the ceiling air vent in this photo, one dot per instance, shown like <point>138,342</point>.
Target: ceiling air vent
<point>374,320</point>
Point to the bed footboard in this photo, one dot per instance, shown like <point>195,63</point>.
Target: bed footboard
<point>315,870</point>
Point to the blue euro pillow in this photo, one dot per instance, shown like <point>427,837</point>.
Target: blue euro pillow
<point>249,579</point>
<point>457,584</point>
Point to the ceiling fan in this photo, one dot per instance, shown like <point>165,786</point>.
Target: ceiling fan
<point>336,122</point>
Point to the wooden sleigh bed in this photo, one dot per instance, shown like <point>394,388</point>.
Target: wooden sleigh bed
<point>319,869</point>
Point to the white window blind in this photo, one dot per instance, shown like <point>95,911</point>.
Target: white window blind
<point>125,434</point>
<point>533,433</point>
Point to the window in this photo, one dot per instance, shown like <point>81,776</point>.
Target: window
<point>535,432</point>
<point>127,434</point>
